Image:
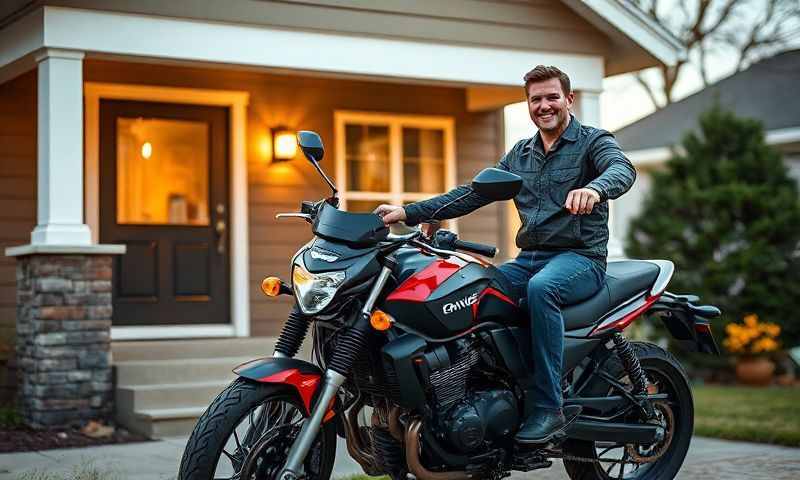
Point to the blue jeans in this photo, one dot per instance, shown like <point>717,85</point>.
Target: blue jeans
<point>550,280</point>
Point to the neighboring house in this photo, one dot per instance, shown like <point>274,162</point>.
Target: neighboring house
<point>765,92</point>
<point>139,181</point>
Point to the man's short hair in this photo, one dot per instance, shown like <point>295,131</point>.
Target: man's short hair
<point>541,73</point>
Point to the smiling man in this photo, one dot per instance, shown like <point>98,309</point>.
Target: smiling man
<point>569,173</point>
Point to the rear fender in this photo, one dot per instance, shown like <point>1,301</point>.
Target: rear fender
<point>687,323</point>
<point>304,377</point>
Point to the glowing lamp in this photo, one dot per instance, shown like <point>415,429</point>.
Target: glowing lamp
<point>147,150</point>
<point>284,144</point>
<point>271,286</point>
<point>380,320</point>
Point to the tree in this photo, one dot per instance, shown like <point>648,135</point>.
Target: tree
<point>727,213</point>
<point>749,30</point>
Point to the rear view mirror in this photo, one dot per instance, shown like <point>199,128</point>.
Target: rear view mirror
<point>496,184</point>
<point>311,144</point>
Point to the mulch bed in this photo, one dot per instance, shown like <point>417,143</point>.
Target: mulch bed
<point>23,439</point>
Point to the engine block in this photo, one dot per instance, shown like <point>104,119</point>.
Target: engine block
<point>450,383</point>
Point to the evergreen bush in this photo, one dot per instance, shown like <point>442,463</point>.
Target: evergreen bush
<point>727,213</point>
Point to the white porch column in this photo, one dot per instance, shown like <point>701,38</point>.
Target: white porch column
<point>587,109</point>
<point>60,150</point>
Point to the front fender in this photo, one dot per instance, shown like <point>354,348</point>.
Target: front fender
<point>303,376</point>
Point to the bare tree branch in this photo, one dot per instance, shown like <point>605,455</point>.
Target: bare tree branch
<point>723,17</point>
<point>702,25</point>
<point>756,37</point>
<point>648,89</point>
<point>702,67</point>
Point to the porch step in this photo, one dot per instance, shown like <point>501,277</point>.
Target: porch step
<point>143,397</point>
<point>162,387</point>
<point>166,422</point>
<point>149,372</point>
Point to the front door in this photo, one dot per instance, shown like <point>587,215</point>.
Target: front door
<point>164,194</point>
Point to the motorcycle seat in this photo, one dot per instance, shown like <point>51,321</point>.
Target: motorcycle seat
<point>624,279</point>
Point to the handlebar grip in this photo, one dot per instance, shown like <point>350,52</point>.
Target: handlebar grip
<point>479,248</point>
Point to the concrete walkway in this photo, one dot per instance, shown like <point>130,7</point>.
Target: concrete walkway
<point>708,459</point>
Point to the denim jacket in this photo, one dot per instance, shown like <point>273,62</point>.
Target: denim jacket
<point>582,157</point>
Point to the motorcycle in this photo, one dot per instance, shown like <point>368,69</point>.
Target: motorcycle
<point>422,363</point>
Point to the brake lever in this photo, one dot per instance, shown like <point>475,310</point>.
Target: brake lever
<point>308,218</point>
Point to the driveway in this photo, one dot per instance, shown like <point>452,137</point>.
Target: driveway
<point>708,459</point>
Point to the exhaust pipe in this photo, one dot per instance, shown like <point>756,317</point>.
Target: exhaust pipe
<point>415,465</point>
<point>355,442</point>
<point>395,428</point>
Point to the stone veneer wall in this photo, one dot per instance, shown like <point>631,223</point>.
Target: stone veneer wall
<point>64,338</point>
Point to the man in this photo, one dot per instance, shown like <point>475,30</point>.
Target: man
<point>569,172</point>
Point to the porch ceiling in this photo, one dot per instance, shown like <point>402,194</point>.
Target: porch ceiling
<point>181,40</point>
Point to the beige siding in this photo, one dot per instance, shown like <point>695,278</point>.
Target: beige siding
<point>309,103</point>
<point>17,190</point>
<point>546,25</point>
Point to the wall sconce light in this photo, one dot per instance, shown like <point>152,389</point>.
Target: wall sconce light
<point>284,144</point>
<point>147,150</point>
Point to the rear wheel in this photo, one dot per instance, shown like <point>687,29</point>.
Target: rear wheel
<point>246,434</point>
<point>660,461</point>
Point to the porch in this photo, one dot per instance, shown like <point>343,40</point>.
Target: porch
<point>76,84</point>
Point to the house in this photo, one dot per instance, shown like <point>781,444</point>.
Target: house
<point>144,155</point>
<point>763,91</point>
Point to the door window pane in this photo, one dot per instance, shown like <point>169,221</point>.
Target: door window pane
<point>162,171</point>
<point>423,160</point>
<point>367,157</point>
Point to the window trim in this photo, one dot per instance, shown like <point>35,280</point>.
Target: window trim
<point>395,122</point>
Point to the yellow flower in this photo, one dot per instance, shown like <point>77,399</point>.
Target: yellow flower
<point>773,330</point>
<point>751,320</point>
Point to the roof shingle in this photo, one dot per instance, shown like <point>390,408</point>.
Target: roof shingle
<point>768,91</point>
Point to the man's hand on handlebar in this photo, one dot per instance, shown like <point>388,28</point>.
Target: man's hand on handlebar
<point>390,213</point>
<point>429,229</point>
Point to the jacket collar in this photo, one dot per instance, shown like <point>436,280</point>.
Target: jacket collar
<point>570,135</point>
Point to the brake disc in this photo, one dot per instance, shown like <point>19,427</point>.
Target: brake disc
<point>665,419</point>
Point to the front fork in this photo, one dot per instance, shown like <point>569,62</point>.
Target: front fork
<point>350,345</point>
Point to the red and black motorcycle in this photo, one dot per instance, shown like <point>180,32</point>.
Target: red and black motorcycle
<point>421,361</point>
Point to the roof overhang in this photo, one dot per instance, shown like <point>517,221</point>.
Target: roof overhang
<point>637,40</point>
<point>647,157</point>
<point>162,39</point>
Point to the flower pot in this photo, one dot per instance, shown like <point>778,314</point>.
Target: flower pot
<point>756,371</point>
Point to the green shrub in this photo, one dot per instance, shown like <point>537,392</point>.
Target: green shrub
<point>727,213</point>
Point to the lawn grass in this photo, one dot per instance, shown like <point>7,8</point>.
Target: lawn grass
<point>764,415</point>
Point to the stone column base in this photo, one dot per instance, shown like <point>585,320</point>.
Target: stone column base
<point>64,338</point>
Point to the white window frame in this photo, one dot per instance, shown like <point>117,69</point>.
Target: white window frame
<point>395,122</point>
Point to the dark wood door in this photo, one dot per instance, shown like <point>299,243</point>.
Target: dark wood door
<point>164,194</point>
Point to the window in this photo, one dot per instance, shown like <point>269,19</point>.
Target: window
<point>162,171</point>
<point>396,159</point>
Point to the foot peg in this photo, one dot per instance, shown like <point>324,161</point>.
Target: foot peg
<point>527,460</point>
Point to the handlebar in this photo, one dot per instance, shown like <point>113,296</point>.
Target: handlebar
<point>443,240</point>
<point>479,248</point>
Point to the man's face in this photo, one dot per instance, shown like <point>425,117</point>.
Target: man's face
<point>548,106</point>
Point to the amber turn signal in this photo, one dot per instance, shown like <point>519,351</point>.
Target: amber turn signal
<point>271,286</point>
<point>380,320</point>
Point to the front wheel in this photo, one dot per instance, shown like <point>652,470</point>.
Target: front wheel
<point>246,434</point>
<point>601,461</point>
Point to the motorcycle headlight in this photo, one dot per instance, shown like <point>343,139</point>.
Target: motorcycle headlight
<point>314,291</point>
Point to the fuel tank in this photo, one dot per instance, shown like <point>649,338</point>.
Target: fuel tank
<point>441,297</point>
